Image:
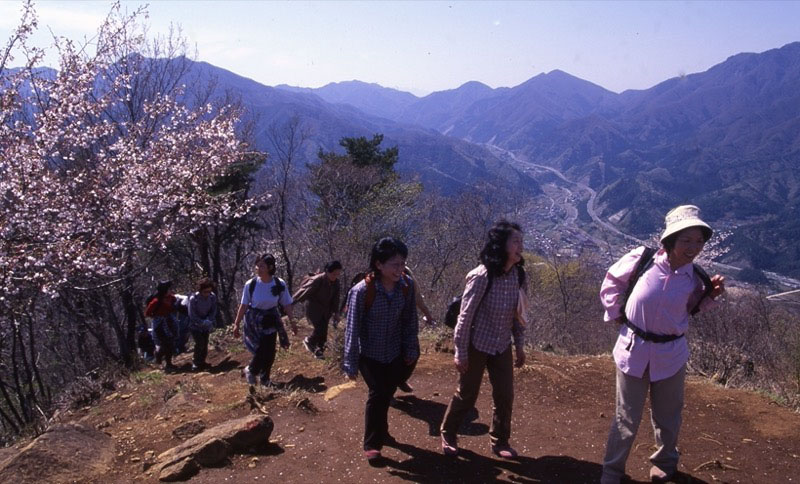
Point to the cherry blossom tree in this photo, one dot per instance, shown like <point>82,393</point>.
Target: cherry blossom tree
<point>89,198</point>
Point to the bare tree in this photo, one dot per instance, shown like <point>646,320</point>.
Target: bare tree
<point>286,141</point>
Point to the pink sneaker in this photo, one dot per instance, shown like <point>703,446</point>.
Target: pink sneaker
<point>504,451</point>
<point>449,446</point>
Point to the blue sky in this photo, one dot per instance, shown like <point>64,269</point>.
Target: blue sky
<point>429,46</point>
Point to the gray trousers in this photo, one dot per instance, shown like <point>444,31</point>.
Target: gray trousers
<point>666,403</point>
<point>501,376</point>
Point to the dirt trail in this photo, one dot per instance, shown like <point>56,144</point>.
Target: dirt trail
<point>561,419</point>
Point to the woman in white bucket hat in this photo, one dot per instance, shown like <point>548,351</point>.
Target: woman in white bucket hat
<point>651,351</point>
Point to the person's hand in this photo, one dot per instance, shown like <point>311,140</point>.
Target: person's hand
<point>462,366</point>
<point>236,331</point>
<point>520,360</point>
<point>718,283</point>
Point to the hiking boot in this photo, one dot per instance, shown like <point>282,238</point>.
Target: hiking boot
<point>170,368</point>
<point>504,451</point>
<point>264,380</point>
<point>405,387</point>
<point>308,346</point>
<point>319,354</point>
<point>449,445</point>
<point>251,378</point>
<point>659,475</point>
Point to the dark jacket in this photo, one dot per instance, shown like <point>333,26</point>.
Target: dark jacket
<point>322,296</point>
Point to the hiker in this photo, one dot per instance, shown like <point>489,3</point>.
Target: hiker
<point>488,321</point>
<point>381,337</point>
<point>322,293</point>
<point>261,297</point>
<point>202,314</point>
<point>428,318</point>
<point>181,316</point>
<point>160,307</point>
<point>144,340</point>
<point>651,350</point>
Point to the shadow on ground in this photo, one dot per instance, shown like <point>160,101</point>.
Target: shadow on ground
<point>432,413</point>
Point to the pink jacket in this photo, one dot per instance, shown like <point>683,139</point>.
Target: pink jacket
<point>660,303</point>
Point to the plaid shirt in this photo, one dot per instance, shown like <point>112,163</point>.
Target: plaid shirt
<point>489,321</point>
<point>388,330</point>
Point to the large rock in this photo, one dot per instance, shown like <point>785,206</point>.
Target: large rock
<point>213,446</point>
<point>65,453</point>
<point>189,429</point>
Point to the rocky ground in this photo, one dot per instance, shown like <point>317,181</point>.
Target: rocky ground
<point>561,419</point>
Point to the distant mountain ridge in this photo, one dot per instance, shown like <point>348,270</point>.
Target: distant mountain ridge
<point>727,139</point>
<point>440,162</point>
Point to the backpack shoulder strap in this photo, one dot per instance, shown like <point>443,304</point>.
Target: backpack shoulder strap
<point>369,298</point>
<point>251,288</point>
<point>279,286</point>
<point>645,261</point>
<point>707,287</point>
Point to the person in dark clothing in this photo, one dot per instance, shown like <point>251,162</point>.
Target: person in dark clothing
<point>202,313</point>
<point>381,337</point>
<point>144,340</point>
<point>321,291</point>
<point>160,307</point>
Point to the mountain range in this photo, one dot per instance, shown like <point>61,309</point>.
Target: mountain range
<point>727,139</point>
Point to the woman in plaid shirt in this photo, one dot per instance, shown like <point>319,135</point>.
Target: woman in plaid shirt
<point>380,339</point>
<point>483,335</point>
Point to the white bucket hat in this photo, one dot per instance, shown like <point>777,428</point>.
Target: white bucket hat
<point>683,217</point>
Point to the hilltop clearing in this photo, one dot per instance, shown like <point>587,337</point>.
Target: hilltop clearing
<point>561,419</point>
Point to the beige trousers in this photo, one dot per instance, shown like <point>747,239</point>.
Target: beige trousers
<point>666,403</point>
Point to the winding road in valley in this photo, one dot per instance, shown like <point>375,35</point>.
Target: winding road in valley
<point>590,207</point>
<point>571,208</point>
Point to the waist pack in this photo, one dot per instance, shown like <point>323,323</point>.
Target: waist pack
<point>652,337</point>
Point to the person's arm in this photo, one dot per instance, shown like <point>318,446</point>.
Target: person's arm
<point>306,290</point>
<point>238,320</point>
<point>242,308</point>
<point>352,352</point>
<point>212,315</point>
<point>473,293</point>
<point>710,302</point>
<point>194,317</point>
<point>151,308</point>
<point>286,302</point>
<point>420,302</point>
<point>409,324</point>
<point>615,284</point>
<point>518,335</point>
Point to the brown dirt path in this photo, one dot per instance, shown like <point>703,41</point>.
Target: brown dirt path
<point>561,419</point>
